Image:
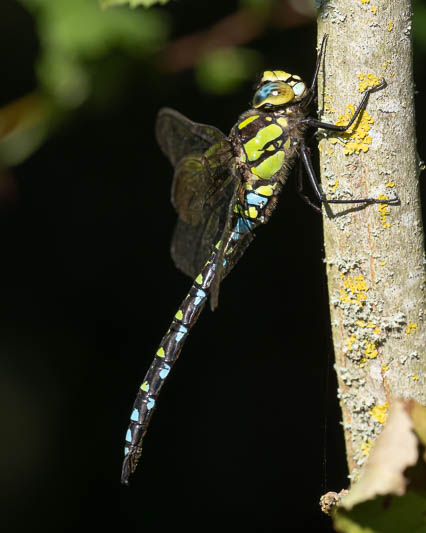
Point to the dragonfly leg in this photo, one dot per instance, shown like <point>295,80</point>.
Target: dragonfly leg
<point>314,123</point>
<point>319,193</point>
<point>299,188</point>
<point>312,89</point>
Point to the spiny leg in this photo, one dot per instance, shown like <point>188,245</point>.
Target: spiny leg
<point>319,193</point>
<point>314,123</point>
<point>311,92</point>
<point>299,187</point>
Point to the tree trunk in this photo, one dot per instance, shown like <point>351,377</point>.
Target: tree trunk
<point>374,253</point>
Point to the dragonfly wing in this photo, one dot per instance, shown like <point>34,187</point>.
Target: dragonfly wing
<point>178,136</point>
<point>202,190</point>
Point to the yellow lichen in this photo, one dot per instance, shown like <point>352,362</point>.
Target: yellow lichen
<point>350,342</point>
<point>334,186</point>
<point>365,1</point>
<point>390,27</point>
<point>390,184</point>
<point>415,377</point>
<point>327,103</point>
<point>379,412</point>
<point>373,10</point>
<point>385,367</point>
<point>411,328</point>
<point>353,286</point>
<point>366,447</point>
<point>382,263</point>
<point>356,138</point>
<point>384,211</point>
<point>370,350</point>
<point>367,80</point>
<point>355,283</point>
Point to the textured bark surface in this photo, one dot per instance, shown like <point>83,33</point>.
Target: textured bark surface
<point>374,253</point>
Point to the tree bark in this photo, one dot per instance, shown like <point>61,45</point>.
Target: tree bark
<point>374,253</point>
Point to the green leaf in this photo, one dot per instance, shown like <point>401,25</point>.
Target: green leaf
<point>257,5</point>
<point>225,69</point>
<point>419,26</point>
<point>390,495</point>
<point>132,3</point>
<point>385,514</point>
<point>75,33</point>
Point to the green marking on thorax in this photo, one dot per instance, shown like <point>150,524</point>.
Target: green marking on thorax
<point>244,123</point>
<point>282,121</point>
<point>270,166</point>
<point>254,147</point>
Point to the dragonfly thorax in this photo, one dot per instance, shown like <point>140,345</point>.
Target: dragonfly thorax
<point>265,146</point>
<point>278,88</point>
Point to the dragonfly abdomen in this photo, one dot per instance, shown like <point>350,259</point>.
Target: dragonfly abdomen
<point>166,355</point>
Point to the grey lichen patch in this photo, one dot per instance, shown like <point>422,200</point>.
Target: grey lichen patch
<point>363,357</point>
<point>351,377</point>
<point>366,329</point>
<point>332,13</point>
<point>364,360</point>
<point>344,264</point>
<point>342,222</point>
<point>369,416</point>
<point>413,355</point>
<point>395,322</point>
<point>391,105</point>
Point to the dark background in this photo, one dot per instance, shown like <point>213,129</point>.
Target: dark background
<point>246,433</point>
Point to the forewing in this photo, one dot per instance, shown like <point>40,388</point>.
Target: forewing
<point>203,193</point>
<point>178,136</point>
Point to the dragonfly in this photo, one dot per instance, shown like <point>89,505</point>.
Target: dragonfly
<point>223,188</point>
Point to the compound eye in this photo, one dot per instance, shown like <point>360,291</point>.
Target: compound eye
<point>299,89</point>
<point>275,93</point>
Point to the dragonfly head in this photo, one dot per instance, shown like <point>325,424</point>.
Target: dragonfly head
<point>277,88</point>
